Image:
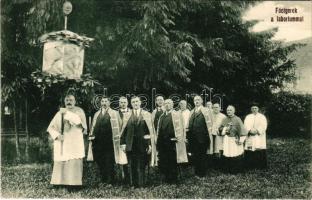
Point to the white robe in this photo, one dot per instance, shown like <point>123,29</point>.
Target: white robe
<point>216,123</point>
<point>259,122</point>
<point>73,144</point>
<point>230,148</point>
<point>236,130</point>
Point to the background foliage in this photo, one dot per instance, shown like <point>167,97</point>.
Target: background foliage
<point>295,110</point>
<point>174,46</point>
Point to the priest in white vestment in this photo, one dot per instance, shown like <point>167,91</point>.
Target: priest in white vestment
<point>217,137</point>
<point>255,146</point>
<point>234,133</point>
<point>67,129</point>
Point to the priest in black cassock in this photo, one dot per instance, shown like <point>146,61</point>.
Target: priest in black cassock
<point>106,145</point>
<point>200,125</point>
<point>171,143</point>
<point>137,140</point>
<point>158,111</point>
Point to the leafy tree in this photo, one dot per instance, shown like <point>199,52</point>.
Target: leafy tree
<point>53,89</point>
<point>17,61</point>
<point>244,65</point>
<point>160,43</point>
<point>21,83</point>
<point>175,46</point>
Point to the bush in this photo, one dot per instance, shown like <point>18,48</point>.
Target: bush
<point>289,114</point>
<point>40,150</point>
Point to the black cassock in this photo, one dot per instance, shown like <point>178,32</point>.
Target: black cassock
<point>167,159</point>
<point>136,149</point>
<point>199,142</point>
<point>103,149</point>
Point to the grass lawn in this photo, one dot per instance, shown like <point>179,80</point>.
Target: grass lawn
<point>288,176</point>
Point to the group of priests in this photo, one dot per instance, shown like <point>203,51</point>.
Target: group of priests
<point>133,140</point>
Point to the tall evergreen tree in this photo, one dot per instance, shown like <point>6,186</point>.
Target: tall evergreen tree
<point>175,46</point>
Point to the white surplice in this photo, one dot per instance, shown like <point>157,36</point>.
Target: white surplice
<point>73,145</point>
<point>216,123</point>
<point>259,122</point>
<point>231,148</point>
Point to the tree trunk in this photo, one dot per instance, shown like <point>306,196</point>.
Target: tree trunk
<point>18,154</point>
<point>20,121</point>
<point>26,130</point>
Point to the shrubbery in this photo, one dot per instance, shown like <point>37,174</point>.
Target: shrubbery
<point>40,150</point>
<point>289,114</point>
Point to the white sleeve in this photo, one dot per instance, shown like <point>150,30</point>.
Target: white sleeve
<point>263,124</point>
<point>54,134</point>
<point>247,123</point>
<point>242,139</point>
<point>53,126</point>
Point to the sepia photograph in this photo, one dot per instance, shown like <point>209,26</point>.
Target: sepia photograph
<point>156,99</point>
